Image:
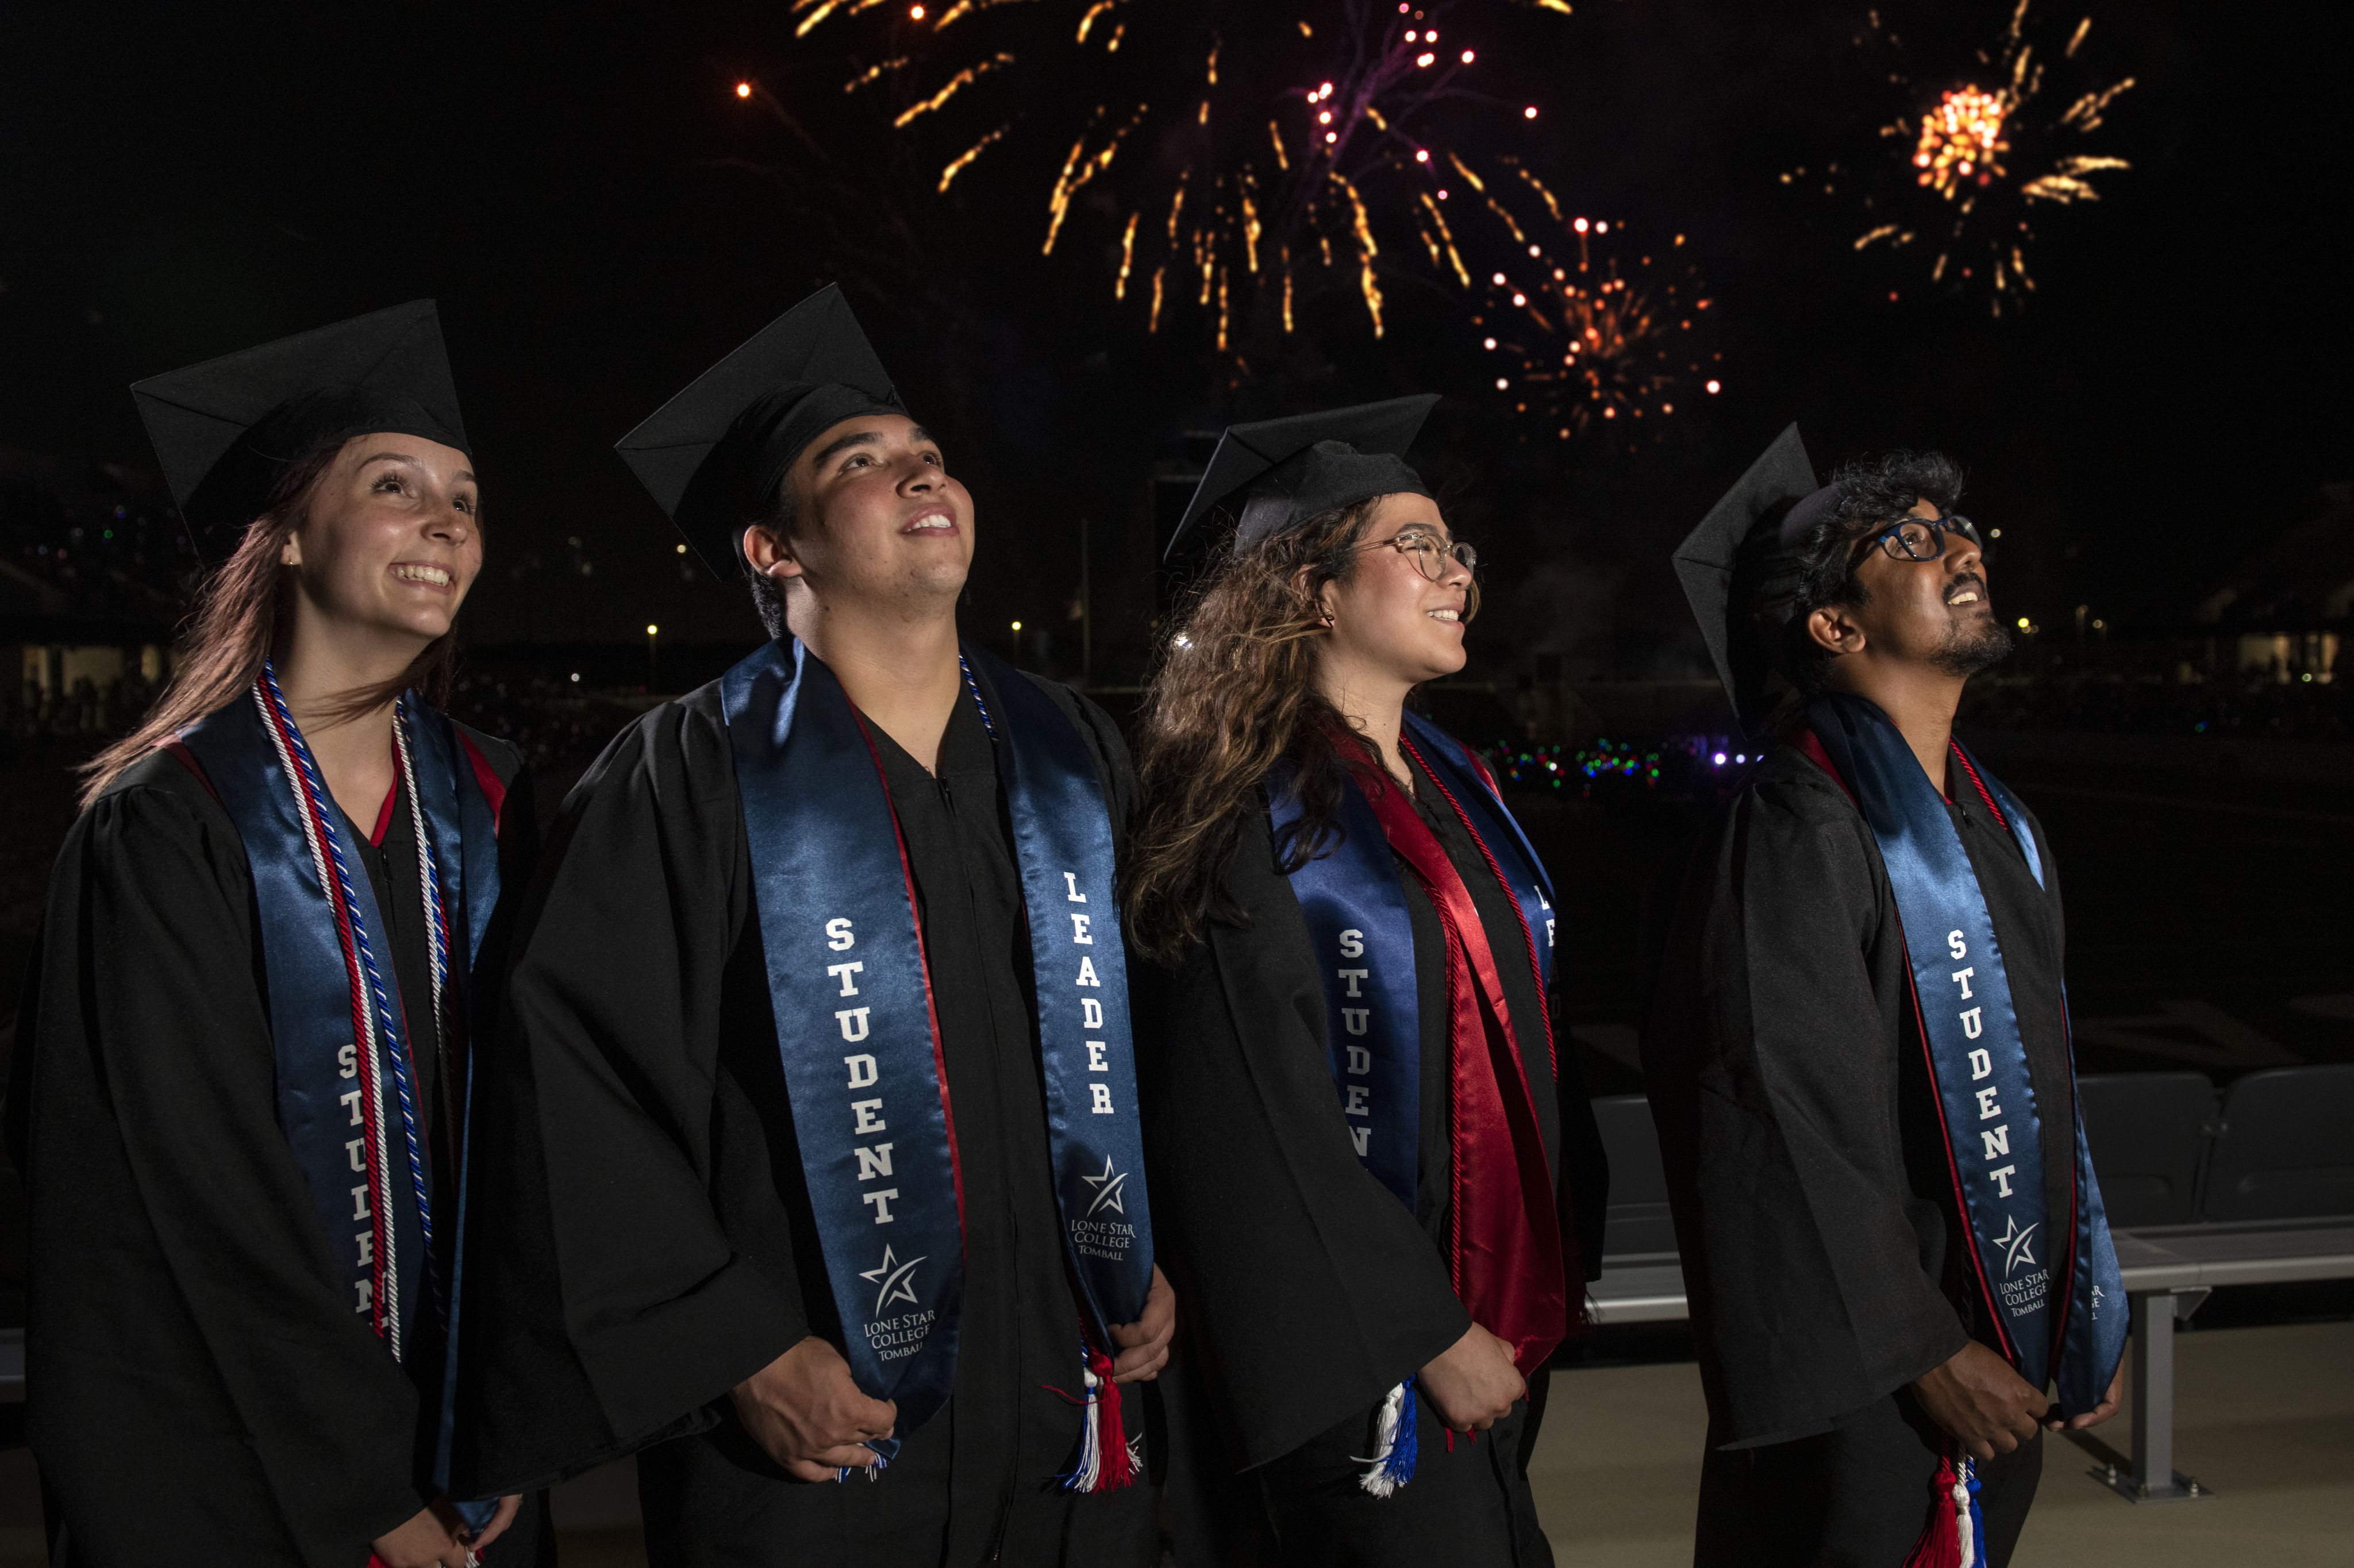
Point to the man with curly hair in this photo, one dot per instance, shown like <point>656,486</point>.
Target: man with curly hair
<point>1856,1039</point>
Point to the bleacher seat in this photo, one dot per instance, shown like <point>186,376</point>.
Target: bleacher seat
<point>2148,1132</point>
<point>2274,1205</point>
<point>2286,1147</point>
<point>1639,1221</point>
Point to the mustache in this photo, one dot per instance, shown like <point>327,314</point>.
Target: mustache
<point>1968,580</point>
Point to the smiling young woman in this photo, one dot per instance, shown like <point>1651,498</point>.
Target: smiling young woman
<point>240,1088</point>
<point>1357,1123</point>
<point>349,583</point>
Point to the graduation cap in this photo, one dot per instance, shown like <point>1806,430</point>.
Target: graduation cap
<point>1744,587</point>
<point>1278,473</point>
<point>712,456</point>
<point>227,430</point>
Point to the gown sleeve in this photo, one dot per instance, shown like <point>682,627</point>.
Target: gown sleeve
<point>180,1280</point>
<point>1584,1191</point>
<point>639,1262</point>
<point>1310,1288</point>
<point>1771,1046</point>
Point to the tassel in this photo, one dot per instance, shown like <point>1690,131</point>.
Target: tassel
<point>874,1471</point>
<point>1955,1536</point>
<point>1974,1552</point>
<point>1391,1464</point>
<point>1106,1460</point>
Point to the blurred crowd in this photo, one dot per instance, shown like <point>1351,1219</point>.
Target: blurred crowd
<point>85,707</point>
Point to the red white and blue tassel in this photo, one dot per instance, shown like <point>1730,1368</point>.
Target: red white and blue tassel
<point>1109,1458</point>
<point>1955,1536</point>
<point>1391,1464</point>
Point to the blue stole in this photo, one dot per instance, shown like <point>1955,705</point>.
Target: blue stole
<point>2059,1318</point>
<point>1355,904</point>
<point>1473,793</point>
<point>858,1036</point>
<point>461,824</point>
<point>341,1039</point>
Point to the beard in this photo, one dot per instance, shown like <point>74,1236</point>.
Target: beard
<point>1972,649</point>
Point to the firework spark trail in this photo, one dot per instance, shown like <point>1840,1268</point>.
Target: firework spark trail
<point>963,161</point>
<point>1963,149</point>
<point>956,84</point>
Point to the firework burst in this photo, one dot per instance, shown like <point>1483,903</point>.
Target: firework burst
<point>1241,163</point>
<point>1593,332</point>
<point>1978,149</point>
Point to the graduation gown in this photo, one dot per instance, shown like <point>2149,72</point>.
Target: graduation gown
<point>199,1389</point>
<point>1805,1162</point>
<point>654,1241</point>
<point>1308,1289</point>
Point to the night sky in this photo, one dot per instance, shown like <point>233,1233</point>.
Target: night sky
<point>580,188</point>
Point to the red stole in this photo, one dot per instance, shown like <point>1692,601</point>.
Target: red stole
<point>1505,1253</point>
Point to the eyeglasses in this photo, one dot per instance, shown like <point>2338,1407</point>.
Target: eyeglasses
<point>1924,538</point>
<point>1431,556</point>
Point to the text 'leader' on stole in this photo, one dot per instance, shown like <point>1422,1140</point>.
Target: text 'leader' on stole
<point>826,1162</point>
<point>1856,1038</point>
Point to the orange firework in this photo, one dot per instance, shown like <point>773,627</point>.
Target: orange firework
<point>1964,142</point>
<point>1243,159</point>
<point>1961,139</point>
<point>1601,332</point>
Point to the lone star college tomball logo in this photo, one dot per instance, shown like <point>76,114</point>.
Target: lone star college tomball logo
<point>2014,1242</point>
<point>894,1281</point>
<point>1107,1190</point>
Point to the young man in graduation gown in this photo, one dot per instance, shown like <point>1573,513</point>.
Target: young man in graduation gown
<point>241,1082</point>
<point>1377,1172</point>
<point>1856,1039</point>
<point>826,1167</point>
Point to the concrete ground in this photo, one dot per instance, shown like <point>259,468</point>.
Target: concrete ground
<point>2266,1418</point>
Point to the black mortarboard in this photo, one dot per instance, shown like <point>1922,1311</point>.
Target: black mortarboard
<point>1744,588</point>
<point>227,430</point>
<point>712,456</point>
<point>1279,473</point>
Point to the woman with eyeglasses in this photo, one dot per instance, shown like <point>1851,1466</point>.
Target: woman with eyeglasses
<point>1357,1113</point>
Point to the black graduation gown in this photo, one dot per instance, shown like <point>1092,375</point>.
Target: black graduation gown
<point>1307,1290</point>
<point>1805,1164</point>
<point>654,1241</point>
<point>199,1389</point>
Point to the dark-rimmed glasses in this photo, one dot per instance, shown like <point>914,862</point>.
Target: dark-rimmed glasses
<point>1431,555</point>
<point>1924,538</point>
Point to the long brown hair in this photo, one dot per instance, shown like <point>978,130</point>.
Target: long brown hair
<point>232,625</point>
<point>1232,694</point>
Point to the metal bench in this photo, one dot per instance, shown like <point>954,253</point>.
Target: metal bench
<point>2258,1190</point>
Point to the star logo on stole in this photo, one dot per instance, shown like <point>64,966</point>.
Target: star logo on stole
<point>894,1281</point>
<point>2014,1242</point>
<point>1107,1190</point>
